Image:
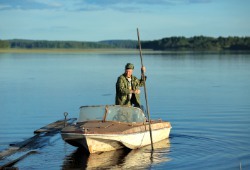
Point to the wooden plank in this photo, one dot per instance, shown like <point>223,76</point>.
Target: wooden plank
<point>43,132</point>
<point>58,125</point>
<point>11,163</point>
<point>8,152</point>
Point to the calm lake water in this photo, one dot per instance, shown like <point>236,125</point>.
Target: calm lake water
<point>205,96</point>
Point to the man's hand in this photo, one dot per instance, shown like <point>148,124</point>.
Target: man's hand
<point>137,91</point>
<point>143,69</point>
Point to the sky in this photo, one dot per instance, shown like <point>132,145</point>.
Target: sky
<point>97,20</point>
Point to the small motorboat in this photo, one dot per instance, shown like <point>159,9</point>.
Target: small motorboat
<point>111,127</point>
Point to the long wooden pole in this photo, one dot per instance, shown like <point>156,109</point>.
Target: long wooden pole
<point>145,89</point>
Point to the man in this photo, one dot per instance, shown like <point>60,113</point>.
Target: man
<point>128,87</point>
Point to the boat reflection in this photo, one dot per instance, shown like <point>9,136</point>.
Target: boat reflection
<point>120,159</point>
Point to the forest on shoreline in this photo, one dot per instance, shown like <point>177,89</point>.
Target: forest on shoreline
<point>164,44</point>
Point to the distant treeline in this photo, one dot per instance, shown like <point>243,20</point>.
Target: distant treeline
<point>199,43</point>
<point>38,44</point>
<point>42,44</point>
<point>172,43</point>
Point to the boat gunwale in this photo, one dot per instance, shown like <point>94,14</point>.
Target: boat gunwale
<point>90,129</point>
<point>124,123</point>
<point>78,133</point>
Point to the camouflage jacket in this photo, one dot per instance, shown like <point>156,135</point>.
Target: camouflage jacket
<point>122,91</point>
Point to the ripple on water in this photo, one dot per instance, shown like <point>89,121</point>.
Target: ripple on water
<point>207,151</point>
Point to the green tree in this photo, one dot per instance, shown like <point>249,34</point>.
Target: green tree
<point>4,44</point>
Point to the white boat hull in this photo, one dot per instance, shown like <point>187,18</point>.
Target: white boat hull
<point>106,142</point>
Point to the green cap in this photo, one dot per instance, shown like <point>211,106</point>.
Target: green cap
<point>129,66</point>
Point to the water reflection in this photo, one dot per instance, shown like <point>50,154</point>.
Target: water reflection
<point>120,159</point>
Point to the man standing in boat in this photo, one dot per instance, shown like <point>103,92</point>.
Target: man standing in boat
<point>128,87</point>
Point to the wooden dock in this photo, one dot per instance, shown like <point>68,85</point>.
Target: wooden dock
<point>33,142</point>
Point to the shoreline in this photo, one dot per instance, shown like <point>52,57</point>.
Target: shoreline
<point>99,50</point>
<point>119,51</point>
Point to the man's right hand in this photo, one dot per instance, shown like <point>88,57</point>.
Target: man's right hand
<point>137,91</point>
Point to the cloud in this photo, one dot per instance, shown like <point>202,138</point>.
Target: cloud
<point>200,1</point>
<point>122,5</point>
<point>26,4</point>
<point>86,5</point>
